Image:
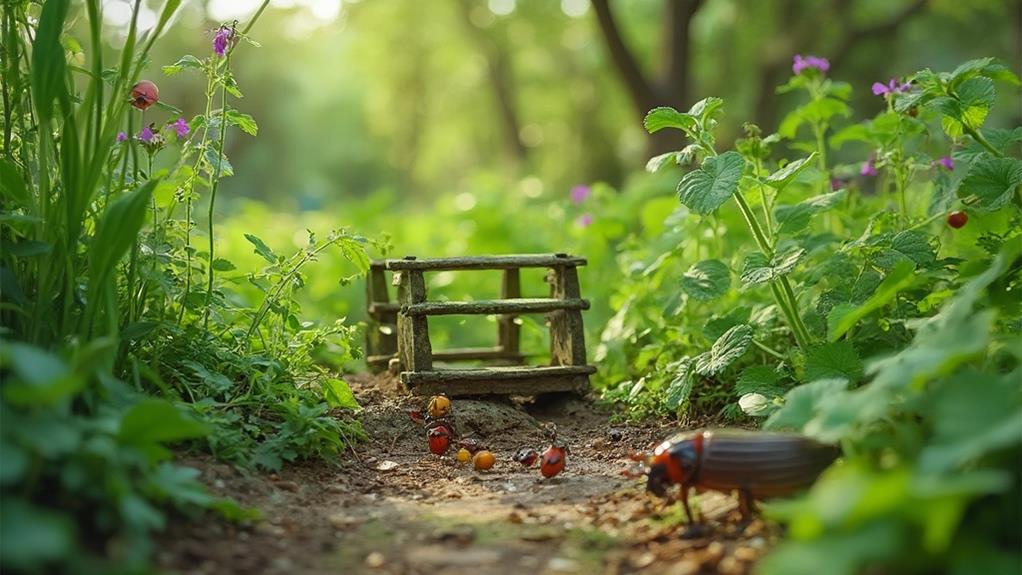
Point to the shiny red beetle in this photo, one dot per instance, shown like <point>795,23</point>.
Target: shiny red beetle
<point>758,465</point>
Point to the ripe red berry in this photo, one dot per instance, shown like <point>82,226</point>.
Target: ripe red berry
<point>439,439</point>
<point>553,461</point>
<point>957,219</point>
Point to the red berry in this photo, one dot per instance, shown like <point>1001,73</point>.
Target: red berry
<point>144,94</point>
<point>553,461</point>
<point>439,439</point>
<point>957,219</point>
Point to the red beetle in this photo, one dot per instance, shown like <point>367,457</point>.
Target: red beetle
<point>144,94</point>
<point>439,438</point>
<point>553,461</point>
<point>757,465</point>
<point>957,219</point>
<point>526,456</point>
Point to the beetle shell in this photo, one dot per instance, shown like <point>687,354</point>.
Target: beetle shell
<point>526,456</point>
<point>439,439</point>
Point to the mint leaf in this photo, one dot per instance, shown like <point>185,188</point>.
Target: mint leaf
<point>793,219</point>
<point>781,178</point>
<point>758,269</point>
<point>833,360</point>
<point>666,117</point>
<point>993,181</point>
<point>725,351</point>
<point>706,280</point>
<point>705,189</point>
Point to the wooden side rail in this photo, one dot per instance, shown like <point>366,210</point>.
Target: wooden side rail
<point>485,262</point>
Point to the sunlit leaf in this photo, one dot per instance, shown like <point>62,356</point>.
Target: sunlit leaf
<point>706,188</point>
<point>706,280</point>
<point>726,350</point>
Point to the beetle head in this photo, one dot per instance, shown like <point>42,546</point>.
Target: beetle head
<point>657,480</point>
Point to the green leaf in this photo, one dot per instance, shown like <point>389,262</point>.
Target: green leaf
<point>761,379</point>
<point>186,61</point>
<point>680,387</point>
<point>155,421</point>
<point>717,325</point>
<point>355,252</point>
<point>844,316</point>
<point>222,265</point>
<point>32,536</point>
<point>12,186</point>
<point>908,246</point>
<point>42,378</point>
<point>976,96</point>
<point>793,219</point>
<point>665,117</point>
<point>48,60</point>
<point>781,178</point>
<point>836,360</point>
<point>262,249</point>
<point>706,108</point>
<point>218,164</point>
<point>993,181</point>
<point>705,189</point>
<point>726,350</point>
<point>27,248</point>
<point>242,121</point>
<point>138,330</point>
<point>821,110</point>
<point>115,234</point>
<point>706,280</point>
<point>802,403</point>
<point>338,394</point>
<point>758,269</point>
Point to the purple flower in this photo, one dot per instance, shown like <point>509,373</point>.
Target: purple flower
<point>221,40</point>
<point>836,184</point>
<point>809,63</point>
<point>122,137</point>
<point>891,87</point>
<point>580,193</point>
<point>181,127</point>
<point>868,168</point>
<point>585,220</point>
<point>146,135</point>
<point>946,162</point>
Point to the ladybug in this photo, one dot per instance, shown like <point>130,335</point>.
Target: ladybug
<point>957,219</point>
<point>439,438</point>
<point>553,461</point>
<point>144,94</point>
<point>526,456</point>
<point>439,406</point>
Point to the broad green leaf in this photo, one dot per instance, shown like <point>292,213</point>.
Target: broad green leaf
<point>155,421</point>
<point>27,248</point>
<point>909,245</point>
<point>784,176</point>
<point>821,110</point>
<point>262,249</point>
<point>48,60</point>
<point>993,181</point>
<point>802,402</point>
<point>793,219</point>
<point>757,269</point>
<point>680,387</point>
<point>242,121</point>
<point>355,252</point>
<point>31,536</point>
<point>706,280</point>
<point>222,265</point>
<point>219,165</point>
<point>982,66</point>
<point>761,379</point>
<point>717,325</point>
<point>726,350</point>
<point>338,394</point>
<point>844,316</point>
<point>12,186</point>
<point>706,108</point>
<point>836,360</point>
<point>976,95</point>
<point>42,378</point>
<point>138,330</point>
<point>705,189</point>
<point>665,117</point>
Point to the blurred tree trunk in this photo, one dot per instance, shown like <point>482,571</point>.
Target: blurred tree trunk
<point>501,77</point>
<point>672,85</point>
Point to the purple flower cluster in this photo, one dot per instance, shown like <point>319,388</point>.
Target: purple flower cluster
<point>869,168</point>
<point>800,64</point>
<point>891,87</point>
<point>946,162</point>
<point>181,127</point>
<point>146,136</point>
<point>580,193</point>
<point>122,137</point>
<point>221,40</point>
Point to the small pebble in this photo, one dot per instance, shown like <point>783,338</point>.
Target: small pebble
<point>375,560</point>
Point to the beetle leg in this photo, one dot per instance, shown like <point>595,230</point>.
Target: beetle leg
<point>747,507</point>
<point>695,528</point>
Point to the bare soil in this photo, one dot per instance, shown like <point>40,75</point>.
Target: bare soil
<point>391,507</point>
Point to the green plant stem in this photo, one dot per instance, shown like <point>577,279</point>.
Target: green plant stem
<point>768,349</point>
<point>982,141</point>
<point>766,200</point>
<point>213,188</point>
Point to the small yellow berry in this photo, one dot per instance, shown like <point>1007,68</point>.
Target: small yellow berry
<point>464,455</point>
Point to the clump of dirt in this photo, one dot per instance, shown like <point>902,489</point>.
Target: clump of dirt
<point>395,508</point>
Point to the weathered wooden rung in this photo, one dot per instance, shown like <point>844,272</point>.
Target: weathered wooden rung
<point>383,307</point>
<point>494,373</point>
<point>459,354</point>
<point>486,262</point>
<point>527,386</point>
<point>495,306</point>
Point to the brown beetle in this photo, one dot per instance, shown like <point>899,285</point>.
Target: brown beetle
<point>758,465</point>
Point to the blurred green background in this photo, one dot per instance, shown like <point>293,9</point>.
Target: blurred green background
<point>457,127</point>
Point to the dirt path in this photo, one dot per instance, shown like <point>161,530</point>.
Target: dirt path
<point>399,509</point>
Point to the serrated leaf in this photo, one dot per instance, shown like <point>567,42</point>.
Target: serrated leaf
<point>262,249</point>
<point>666,117</point>
<point>758,269</point>
<point>218,164</point>
<point>793,219</point>
<point>726,350</point>
<point>705,189</point>
<point>680,387</point>
<point>186,61</point>
<point>993,181</point>
<point>338,394</point>
<point>835,360</point>
<point>706,280</point>
<point>759,379</point>
<point>781,178</point>
<point>222,265</point>
<point>844,316</point>
<point>244,122</point>
<point>706,108</point>
<point>976,95</point>
<point>909,245</point>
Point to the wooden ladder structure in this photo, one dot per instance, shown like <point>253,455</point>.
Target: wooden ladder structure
<point>398,332</point>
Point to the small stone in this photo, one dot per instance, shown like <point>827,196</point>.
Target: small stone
<point>341,521</point>
<point>643,561</point>
<point>375,560</point>
<point>562,565</point>
<point>515,517</point>
<point>730,566</point>
<point>714,552</point>
<point>615,435</point>
<point>685,567</point>
<point>757,543</point>
<point>746,554</point>
<point>387,465</point>
<point>287,486</point>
